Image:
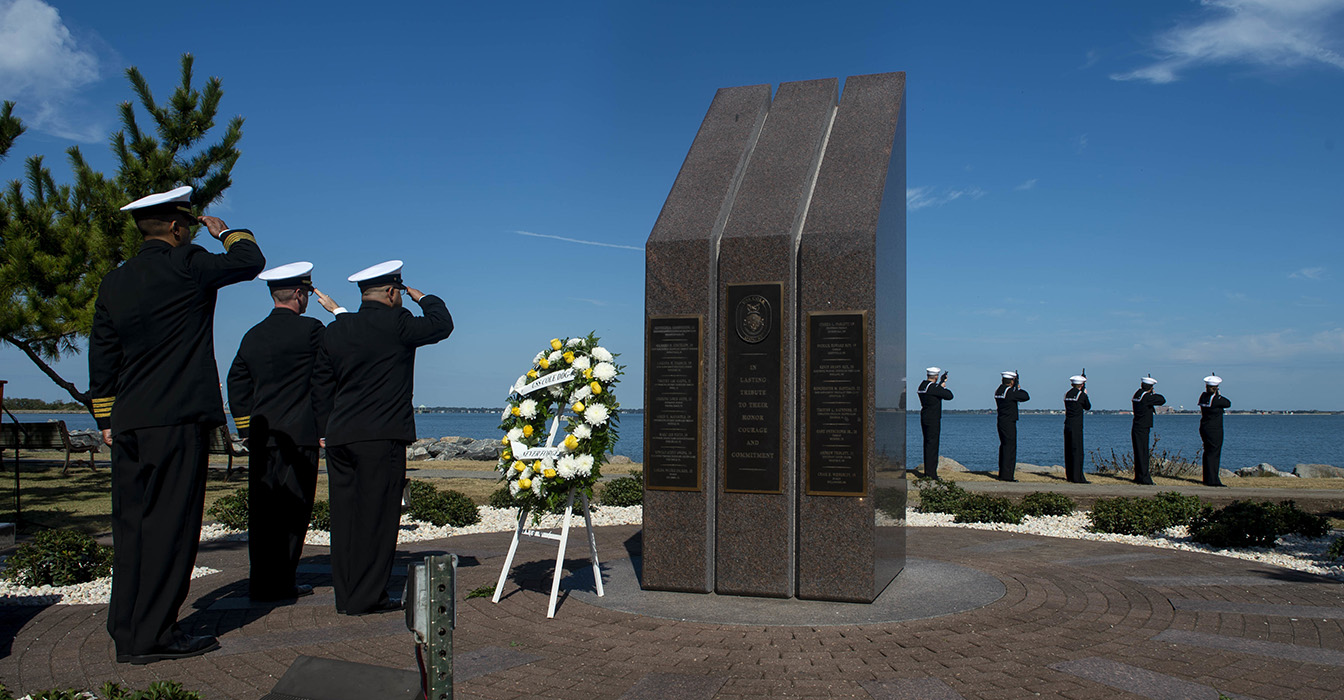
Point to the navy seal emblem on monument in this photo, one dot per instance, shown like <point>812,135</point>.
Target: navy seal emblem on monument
<point>753,319</point>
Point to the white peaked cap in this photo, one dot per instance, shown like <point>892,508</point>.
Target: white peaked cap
<point>1077,379</point>
<point>933,370</point>
<point>1010,375</point>
<point>1148,380</point>
<point>284,272</point>
<point>181,194</point>
<point>1213,380</point>
<point>390,269</point>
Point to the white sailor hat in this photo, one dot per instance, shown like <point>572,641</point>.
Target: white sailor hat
<point>176,200</point>
<point>1009,375</point>
<point>1213,380</point>
<point>1147,381</point>
<point>932,371</point>
<point>383,273</point>
<point>295,274</point>
<point>1077,379</point>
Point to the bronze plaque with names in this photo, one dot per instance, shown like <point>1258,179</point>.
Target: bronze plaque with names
<point>751,381</point>
<point>837,396</point>
<point>673,399</point>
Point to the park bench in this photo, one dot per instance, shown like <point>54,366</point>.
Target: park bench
<point>222,442</point>
<point>51,435</point>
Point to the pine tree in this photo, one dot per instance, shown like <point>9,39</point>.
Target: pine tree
<point>58,241</point>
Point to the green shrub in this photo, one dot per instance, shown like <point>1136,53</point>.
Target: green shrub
<point>428,504</point>
<point>321,519</point>
<point>1254,524</point>
<point>1177,508</point>
<point>1336,549</point>
<point>984,508</point>
<point>625,491</point>
<point>1047,503</point>
<point>939,496</point>
<point>58,694</point>
<point>158,690</point>
<point>1128,516</point>
<point>231,510</point>
<point>59,558</point>
<point>501,498</point>
<point>890,500</point>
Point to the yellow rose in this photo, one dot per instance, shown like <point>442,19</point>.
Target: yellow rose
<point>504,440</point>
<point>588,373</point>
<point>544,363</point>
<point>578,407</point>
<point>555,344</point>
<point>531,374</point>
<point>549,473</point>
<point>514,410</point>
<point>571,442</point>
<point>519,466</point>
<point>527,431</point>
<point>524,483</point>
<point>569,358</point>
<point>596,387</point>
<point>506,455</point>
<point>536,466</point>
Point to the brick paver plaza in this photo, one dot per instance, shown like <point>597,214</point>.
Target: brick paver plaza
<point>1077,619</point>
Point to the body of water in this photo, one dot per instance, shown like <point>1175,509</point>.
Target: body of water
<point>972,439</point>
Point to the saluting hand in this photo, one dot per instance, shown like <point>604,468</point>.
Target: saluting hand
<point>214,225</point>
<point>325,301</point>
<point>415,294</point>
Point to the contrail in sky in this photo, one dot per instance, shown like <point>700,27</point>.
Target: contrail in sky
<point>575,240</point>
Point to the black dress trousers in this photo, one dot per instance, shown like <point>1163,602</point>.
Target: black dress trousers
<point>1142,472</point>
<point>1211,434</point>
<point>932,428</point>
<point>281,483</point>
<point>158,493</point>
<point>1007,448</point>
<point>1073,450</point>
<point>366,484</point>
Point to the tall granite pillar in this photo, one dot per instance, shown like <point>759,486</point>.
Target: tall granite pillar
<point>681,359</point>
<point>755,550</point>
<point>851,351</point>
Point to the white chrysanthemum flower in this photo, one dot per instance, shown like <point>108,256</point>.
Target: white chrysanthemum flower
<point>528,409</point>
<point>540,355</point>
<point>556,391</point>
<point>596,414</point>
<point>547,463</point>
<point>582,362</point>
<point>566,467</point>
<point>515,434</point>
<point>582,432</point>
<point>581,395</point>
<point>513,488</point>
<point>525,474</point>
<point>554,356</point>
<point>584,466</point>
<point>574,341</point>
<point>601,354</point>
<point>604,371</point>
<point>522,382</point>
<point>536,487</point>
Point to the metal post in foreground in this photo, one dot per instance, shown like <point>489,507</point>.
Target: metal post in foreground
<point>431,612</point>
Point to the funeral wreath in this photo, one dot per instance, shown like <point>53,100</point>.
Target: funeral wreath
<point>573,379</point>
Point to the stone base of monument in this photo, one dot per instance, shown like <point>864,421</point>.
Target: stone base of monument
<point>926,588</point>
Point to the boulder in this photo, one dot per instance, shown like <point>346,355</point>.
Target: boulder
<point>449,451</point>
<point>1038,469</point>
<point>455,440</point>
<point>1225,474</point>
<point>1261,469</point>
<point>481,450</point>
<point>414,453</point>
<point>423,442</point>
<point>618,459</point>
<point>1318,471</point>
<point>945,464</point>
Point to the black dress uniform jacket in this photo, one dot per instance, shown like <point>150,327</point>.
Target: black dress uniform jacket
<point>366,369</point>
<point>1211,407</point>
<point>272,376</point>
<point>931,397</point>
<point>152,350</point>
<point>1144,401</point>
<point>1076,405</point>
<point>1007,397</point>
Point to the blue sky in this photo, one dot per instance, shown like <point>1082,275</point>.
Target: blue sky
<point>1133,187</point>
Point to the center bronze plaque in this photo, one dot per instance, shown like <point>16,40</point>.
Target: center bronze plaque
<point>752,374</point>
<point>672,401</point>
<point>837,358</point>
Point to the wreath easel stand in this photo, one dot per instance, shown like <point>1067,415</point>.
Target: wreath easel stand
<point>520,530</point>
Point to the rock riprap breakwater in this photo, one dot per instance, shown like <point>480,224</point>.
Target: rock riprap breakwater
<point>456,447</point>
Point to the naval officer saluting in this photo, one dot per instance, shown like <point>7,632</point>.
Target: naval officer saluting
<point>1007,397</point>
<point>364,377</point>
<point>932,393</point>
<point>1145,399</point>
<point>156,398</point>
<point>271,398</point>
<point>1076,404</point>
<point>1211,406</point>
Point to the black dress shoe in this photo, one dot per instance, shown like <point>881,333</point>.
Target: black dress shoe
<point>184,648</point>
<point>387,605</point>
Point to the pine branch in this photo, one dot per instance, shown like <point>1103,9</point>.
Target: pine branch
<point>74,392</point>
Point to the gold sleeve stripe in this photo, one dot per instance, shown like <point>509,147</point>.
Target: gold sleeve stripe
<point>104,401</point>
<point>243,422</point>
<point>238,236</point>
<point>102,412</point>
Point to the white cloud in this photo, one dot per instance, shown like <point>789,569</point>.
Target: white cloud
<point>922,197</point>
<point>1273,33</point>
<point>1080,144</point>
<point>1028,185</point>
<point>1260,347</point>
<point>1308,273</point>
<point>43,68</point>
<point>576,240</point>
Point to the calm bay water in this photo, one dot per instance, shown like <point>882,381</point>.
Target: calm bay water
<point>972,439</point>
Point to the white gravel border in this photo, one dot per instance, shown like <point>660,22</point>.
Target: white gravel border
<point>1293,552</point>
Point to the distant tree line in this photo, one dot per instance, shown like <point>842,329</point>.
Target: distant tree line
<point>40,405</point>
